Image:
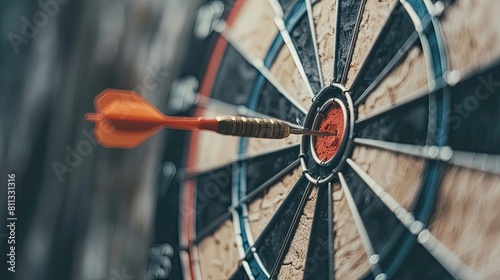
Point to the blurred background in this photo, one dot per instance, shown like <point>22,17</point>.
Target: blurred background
<point>85,212</point>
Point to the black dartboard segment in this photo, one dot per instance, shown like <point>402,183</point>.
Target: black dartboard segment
<point>274,241</point>
<point>475,112</point>
<point>396,38</point>
<point>347,16</point>
<point>379,221</point>
<point>302,39</point>
<point>240,274</point>
<point>214,186</point>
<point>213,195</point>
<point>406,124</point>
<point>421,265</point>
<point>233,83</point>
<point>274,104</point>
<point>261,169</point>
<point>319,259</point>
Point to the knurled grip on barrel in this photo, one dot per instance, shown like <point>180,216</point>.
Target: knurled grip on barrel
<point>253,127</point>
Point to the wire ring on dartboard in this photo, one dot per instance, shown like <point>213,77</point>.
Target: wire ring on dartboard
<point>322,173</point>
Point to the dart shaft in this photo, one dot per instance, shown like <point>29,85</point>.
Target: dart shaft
<point>304,131</point>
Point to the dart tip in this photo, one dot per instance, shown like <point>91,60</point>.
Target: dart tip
<point>93,117</point>
<point>303,131</point>
<point>325,133</point>
<point>322,133</point>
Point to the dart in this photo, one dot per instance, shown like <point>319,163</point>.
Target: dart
<point>124,119</point>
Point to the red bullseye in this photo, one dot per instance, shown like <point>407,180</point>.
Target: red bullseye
<point>331,118</point>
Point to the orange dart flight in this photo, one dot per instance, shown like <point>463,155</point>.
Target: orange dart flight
<point>124,119</point>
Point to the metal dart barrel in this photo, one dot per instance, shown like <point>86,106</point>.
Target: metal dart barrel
<point>261,128</point>
<point>253,127</point>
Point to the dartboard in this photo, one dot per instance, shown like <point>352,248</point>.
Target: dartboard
<point>409,186</point>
